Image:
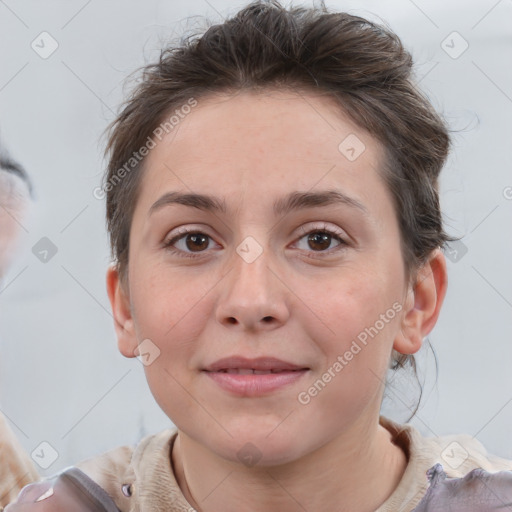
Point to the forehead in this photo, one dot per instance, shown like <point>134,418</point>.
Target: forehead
<point>268,143</point>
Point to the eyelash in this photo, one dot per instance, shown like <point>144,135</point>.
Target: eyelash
<point>168,245</point>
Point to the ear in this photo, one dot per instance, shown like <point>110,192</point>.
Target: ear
<point>123,321</point>
<point>423,304</point>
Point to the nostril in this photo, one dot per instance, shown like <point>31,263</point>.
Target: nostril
<point>267,319</point>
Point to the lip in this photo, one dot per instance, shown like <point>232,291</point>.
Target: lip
<point>260,363</point>
<point>280,374</point>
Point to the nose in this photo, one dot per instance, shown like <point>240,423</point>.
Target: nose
<point>254,296</point>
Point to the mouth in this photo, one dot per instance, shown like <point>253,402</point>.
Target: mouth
<point>236,364</point>
<point>252,371</point>
<point>254,377</point>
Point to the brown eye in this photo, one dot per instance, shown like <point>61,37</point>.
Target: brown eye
<point>319,240</point>
<point>189,244</point>
<point>196,241</point>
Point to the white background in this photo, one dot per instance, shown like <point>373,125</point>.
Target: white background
<point>62,379</point>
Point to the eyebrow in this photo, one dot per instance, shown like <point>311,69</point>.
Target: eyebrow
<point>282,206</point>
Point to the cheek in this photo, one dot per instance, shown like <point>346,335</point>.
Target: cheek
<point>171,309</point>
<point>356,353</point>
<point>169,388</point>
<point>161,298</point>
<point>347,303</point>
<point>355,328</point>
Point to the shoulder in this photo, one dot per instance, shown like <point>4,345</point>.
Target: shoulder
<point>16,468</point>
<point>441,463</point>
<point>119,471</point>
<point>458,453</point>
<point>465,477</point>
<point>110,482</point>
<point>477,491</point>
<point>461,453</point>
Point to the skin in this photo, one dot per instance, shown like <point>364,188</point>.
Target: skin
<point>295,302</point>
<point>13,211</point>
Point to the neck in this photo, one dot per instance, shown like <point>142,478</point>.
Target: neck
<point>337,476</point>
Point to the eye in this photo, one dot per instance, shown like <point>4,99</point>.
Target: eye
<point>191,241</point>
<point>320,239</point>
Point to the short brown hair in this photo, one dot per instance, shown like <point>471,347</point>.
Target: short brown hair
<point>360,64</point>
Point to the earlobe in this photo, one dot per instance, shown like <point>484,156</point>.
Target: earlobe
<point>123,321</point>
<point>423,304</point>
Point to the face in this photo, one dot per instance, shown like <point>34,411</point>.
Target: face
<point>283,272</point>
<point>13,206</point>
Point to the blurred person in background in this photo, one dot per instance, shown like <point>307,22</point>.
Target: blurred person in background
<point>16,468</point>
<point>15,193</point>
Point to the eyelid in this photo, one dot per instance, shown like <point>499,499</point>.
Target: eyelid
<point>181,231</point>
<point>305,229</point>
<point>323,226</point>
<point>335,232</point>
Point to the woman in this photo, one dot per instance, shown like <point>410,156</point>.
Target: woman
<point>272,205</point>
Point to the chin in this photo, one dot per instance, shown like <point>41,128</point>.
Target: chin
<point>259,447</point>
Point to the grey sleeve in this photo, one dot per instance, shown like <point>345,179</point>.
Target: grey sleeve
<point>478,491</point>
<point>88,491</point>
<point>70,490</point>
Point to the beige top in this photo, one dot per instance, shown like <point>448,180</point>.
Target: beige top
<point>16,467</point>
<point>148,468</point>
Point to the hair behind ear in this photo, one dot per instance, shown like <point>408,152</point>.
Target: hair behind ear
<point>425,297</point>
